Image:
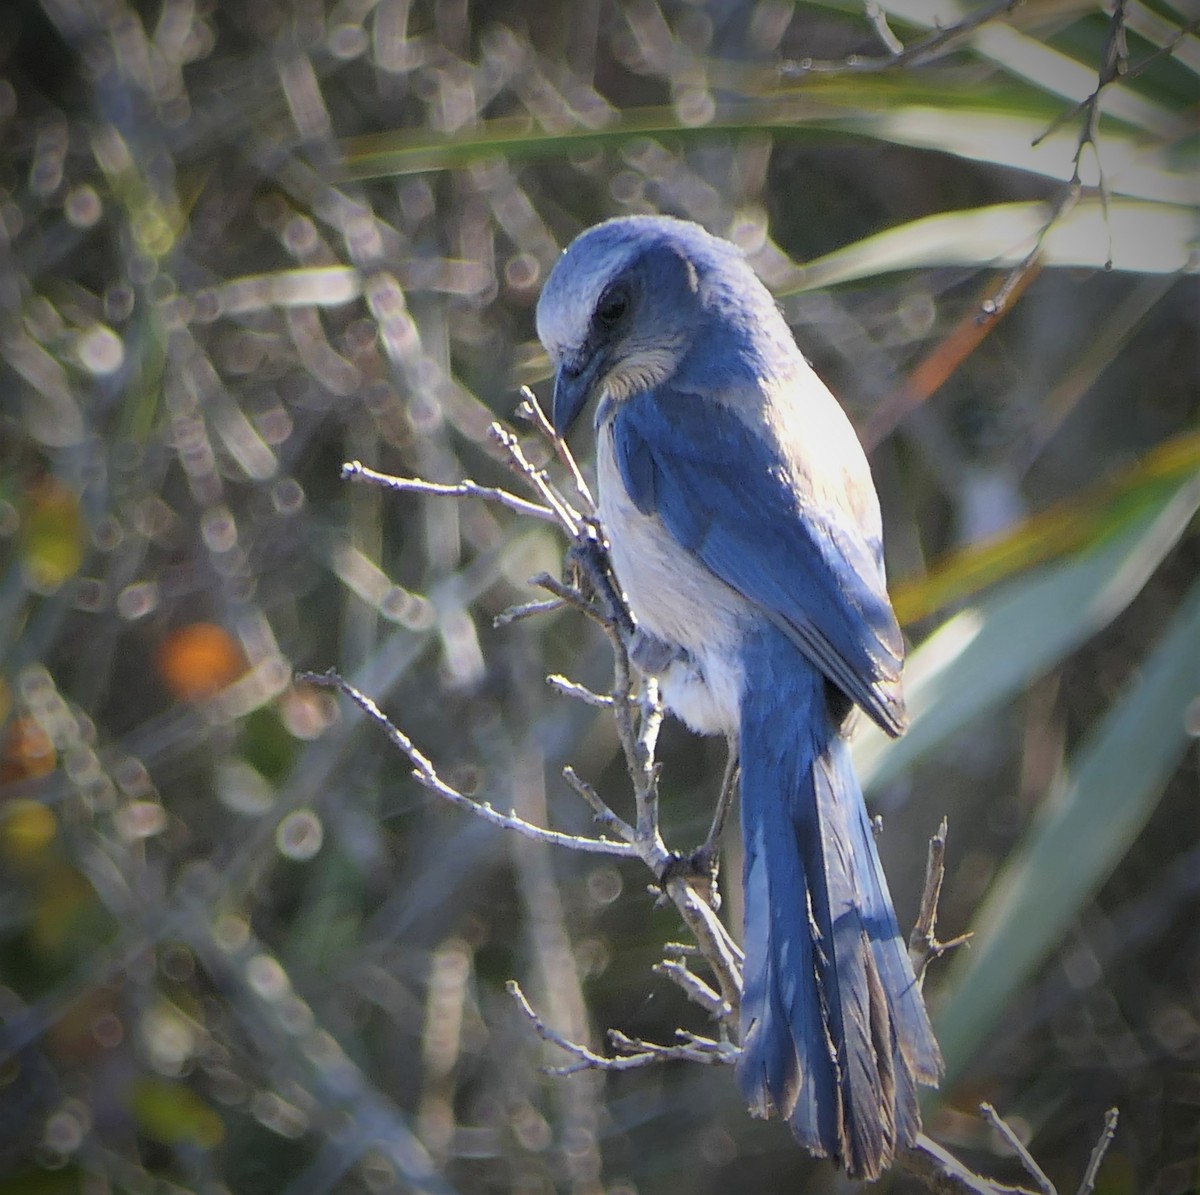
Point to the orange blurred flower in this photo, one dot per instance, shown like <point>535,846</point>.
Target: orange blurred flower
<point>199,660</point>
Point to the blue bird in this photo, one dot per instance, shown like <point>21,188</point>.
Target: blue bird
<point>745,532</point>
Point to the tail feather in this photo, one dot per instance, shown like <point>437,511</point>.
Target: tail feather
<point>834,1030</point>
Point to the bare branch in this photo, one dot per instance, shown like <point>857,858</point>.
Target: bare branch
<point>529,408</point>
<point>570,688</point>
<point>923,945</point>
<point>357,471</point>
<point>1088,1185</point>
<point>1045,1186</point>
<point>927,49</point>
<point>729,783</point>
<point>1114,67</point>
<point>566,514</point>
<point>526,610</point>
<point>603,813</point>
<point>694,988</point>
<point>568,595</point>
<point>883,31</point>
<point>943,1174</point>
<point>638,1053</point>
<point>426,774</point>
<point>690,1048</point>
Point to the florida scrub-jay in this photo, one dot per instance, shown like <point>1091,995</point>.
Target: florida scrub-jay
<point>745,532</point>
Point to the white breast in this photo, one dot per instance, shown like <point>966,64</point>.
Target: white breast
<point>677,599</point>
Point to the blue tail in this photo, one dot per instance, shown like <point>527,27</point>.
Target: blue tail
<point>834,1030</point>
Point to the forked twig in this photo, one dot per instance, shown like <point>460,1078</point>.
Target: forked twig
<point>427,775</point>
<point>635,1052</point>
<point>1045,1186</point>
<point>357,471</point>
<point>529,408</point>
<point>923,944</point>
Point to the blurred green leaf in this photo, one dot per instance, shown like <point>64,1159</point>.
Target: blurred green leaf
<point>868,108</point>
<point>174,1114</point>
<point>1065,527</point>
<point>1147,238</point>
<point>990,651</point>
<point>68,1181</point>
<point>1085,827</point>
<point>1131,166</point>
<point>53,535</point>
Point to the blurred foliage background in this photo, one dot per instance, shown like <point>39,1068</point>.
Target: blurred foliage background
<point>240,243</point>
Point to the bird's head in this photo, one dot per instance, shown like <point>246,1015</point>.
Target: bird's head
<point>621,307</point>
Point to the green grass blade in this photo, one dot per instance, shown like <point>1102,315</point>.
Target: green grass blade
<point>1148,238</point>
<point>1066,527</point>
<point>873,108</point>
<point>1131,166</point>
<point>1086,825</point>
<point>991,651</point>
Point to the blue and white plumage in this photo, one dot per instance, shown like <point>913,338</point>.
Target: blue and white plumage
<point>745,532</point>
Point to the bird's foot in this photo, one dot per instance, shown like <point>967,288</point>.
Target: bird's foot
<point>700,870</point>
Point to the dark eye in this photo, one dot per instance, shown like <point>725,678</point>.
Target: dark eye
<point>613,307</point>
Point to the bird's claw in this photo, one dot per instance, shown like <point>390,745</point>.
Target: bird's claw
<point>699,870</point>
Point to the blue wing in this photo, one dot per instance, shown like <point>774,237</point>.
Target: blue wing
<point>722,493</point>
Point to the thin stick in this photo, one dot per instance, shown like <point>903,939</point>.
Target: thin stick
<point>526,610</point>
<point>640,1053</point>
<point>944,1174</point>
<point>570,688</point>
<point>696,990</point>
<point>932,46</point>
<point>604,814</point>
<point>1088,1185</point>
<point>426,774</point>
<point>729,783</point>
<point>567,515</point>
<point>1018,1147</point>
<point>923,944</point>
<point>531,409</point>
<point>357,471</point>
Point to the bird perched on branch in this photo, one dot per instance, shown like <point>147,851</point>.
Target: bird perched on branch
<point>745,531</point>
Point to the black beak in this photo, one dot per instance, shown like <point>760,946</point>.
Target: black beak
<point>573,387</point>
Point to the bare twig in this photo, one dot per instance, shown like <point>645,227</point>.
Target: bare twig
<point>637,729</point>
<point>566,514</point>
<point>637,1054</point>
<point>934,45</point>
<point>529,408</point>
<point>1088,1184</point>
<point>603,813</point>
<point>943,1174</point>
<point>879,23</point>
<point>693,987</point>
<point>1045,1186</point>
<point>567,595</point>
<point>357,471</point>
<point>691,1047</point>
<point>526,610</point>
<point>729,783</point>
<point>570,688</point>
<point>933,370</point>
<point>923,945</point>
<point>1114,66</point>
<point>426,774</point>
